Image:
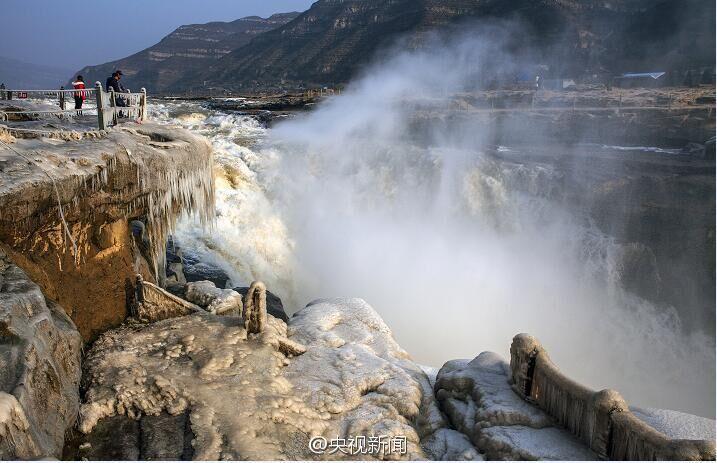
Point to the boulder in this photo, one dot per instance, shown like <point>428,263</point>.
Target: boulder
<point>39,369</point>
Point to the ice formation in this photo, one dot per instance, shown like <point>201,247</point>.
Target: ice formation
<point>215,300</point>
<point>249,397</point>
<point>39,369</point>
<point>479,402</point>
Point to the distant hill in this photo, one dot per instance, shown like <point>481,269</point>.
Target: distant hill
<point>333,40</point>
<point>20,75</point>
<point>164,66</point>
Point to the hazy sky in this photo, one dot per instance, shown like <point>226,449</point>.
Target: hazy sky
<point>74,34</point>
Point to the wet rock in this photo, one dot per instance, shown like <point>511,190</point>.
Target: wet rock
<point>196,270</point>
<point>39,369</point>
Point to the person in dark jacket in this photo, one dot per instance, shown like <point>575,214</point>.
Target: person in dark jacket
<point>113,83</point>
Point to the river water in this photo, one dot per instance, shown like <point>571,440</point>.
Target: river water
<point>457,248</point>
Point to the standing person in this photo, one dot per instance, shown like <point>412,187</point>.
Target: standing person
<point>80,95</point>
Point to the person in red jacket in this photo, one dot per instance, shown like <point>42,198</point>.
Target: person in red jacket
<point>80,96</point>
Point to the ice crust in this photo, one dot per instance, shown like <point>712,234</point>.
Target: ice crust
<point>247,397</point>
<point>247,400</point>
<point>478,400</point>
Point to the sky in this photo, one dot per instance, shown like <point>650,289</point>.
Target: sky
<point>71,35</point>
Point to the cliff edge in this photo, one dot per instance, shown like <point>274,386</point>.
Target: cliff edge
<point>83,217</point>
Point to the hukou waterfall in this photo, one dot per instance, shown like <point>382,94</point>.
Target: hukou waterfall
<point>458,235</point>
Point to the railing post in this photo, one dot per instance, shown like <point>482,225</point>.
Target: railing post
<point>62,97</point>
<point>143,105</point>
<point>101,122</point>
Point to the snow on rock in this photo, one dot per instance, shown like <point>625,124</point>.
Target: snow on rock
<point>215,300</point>
<point>677,425</point>
<point>229,384</point>
<point>526,443</point>
<point>39,369</point>
<point>356,375</point>
<point>244,397</point>
<point>478,400</point>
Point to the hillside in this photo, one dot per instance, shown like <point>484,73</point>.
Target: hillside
<point>331,41</point>
<point>164,66</point>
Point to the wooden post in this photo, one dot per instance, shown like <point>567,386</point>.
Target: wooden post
<point>101,122</point>
<point>62,98</point>
<point>143,105</point>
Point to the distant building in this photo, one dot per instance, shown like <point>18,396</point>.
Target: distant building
<point>559,84</point>
<point>641,79</point>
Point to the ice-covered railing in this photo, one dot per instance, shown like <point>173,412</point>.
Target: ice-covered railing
<point>110,107</point>
<point>602,420</point>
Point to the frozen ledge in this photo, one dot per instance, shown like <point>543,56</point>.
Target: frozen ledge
<point>145,173</point>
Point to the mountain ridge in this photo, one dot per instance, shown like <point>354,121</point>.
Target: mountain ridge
<point>333,40</point>
<point>188,47</point>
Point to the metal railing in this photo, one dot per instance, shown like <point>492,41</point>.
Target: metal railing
<point>111,107</point>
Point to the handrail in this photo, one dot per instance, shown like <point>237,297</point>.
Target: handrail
<point>61,90</point>
<point>602,420</point>
<point>109,111</point>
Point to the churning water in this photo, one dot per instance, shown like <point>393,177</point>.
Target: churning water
<point>458,250</point>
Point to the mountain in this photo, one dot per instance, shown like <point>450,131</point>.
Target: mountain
<point>164,66</point>
<point>21,75</point>
<point>331,41</point>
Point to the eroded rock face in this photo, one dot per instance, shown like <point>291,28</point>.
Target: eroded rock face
<point>479,402</point>
<point>39,369</point>
<point>244,397</point>
<point>144,174</point>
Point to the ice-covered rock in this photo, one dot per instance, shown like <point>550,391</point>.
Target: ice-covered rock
<point>39,369</point>
<point>69,211</point>
<point>479,402</point>
<point>215,300</point>
<point>249,396</point>
<point>677,425</point>
<point>357,376</point>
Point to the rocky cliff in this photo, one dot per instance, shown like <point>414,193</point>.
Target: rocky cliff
<point>189,48</point>
<point>82,217</point>
<point>332,41</point>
